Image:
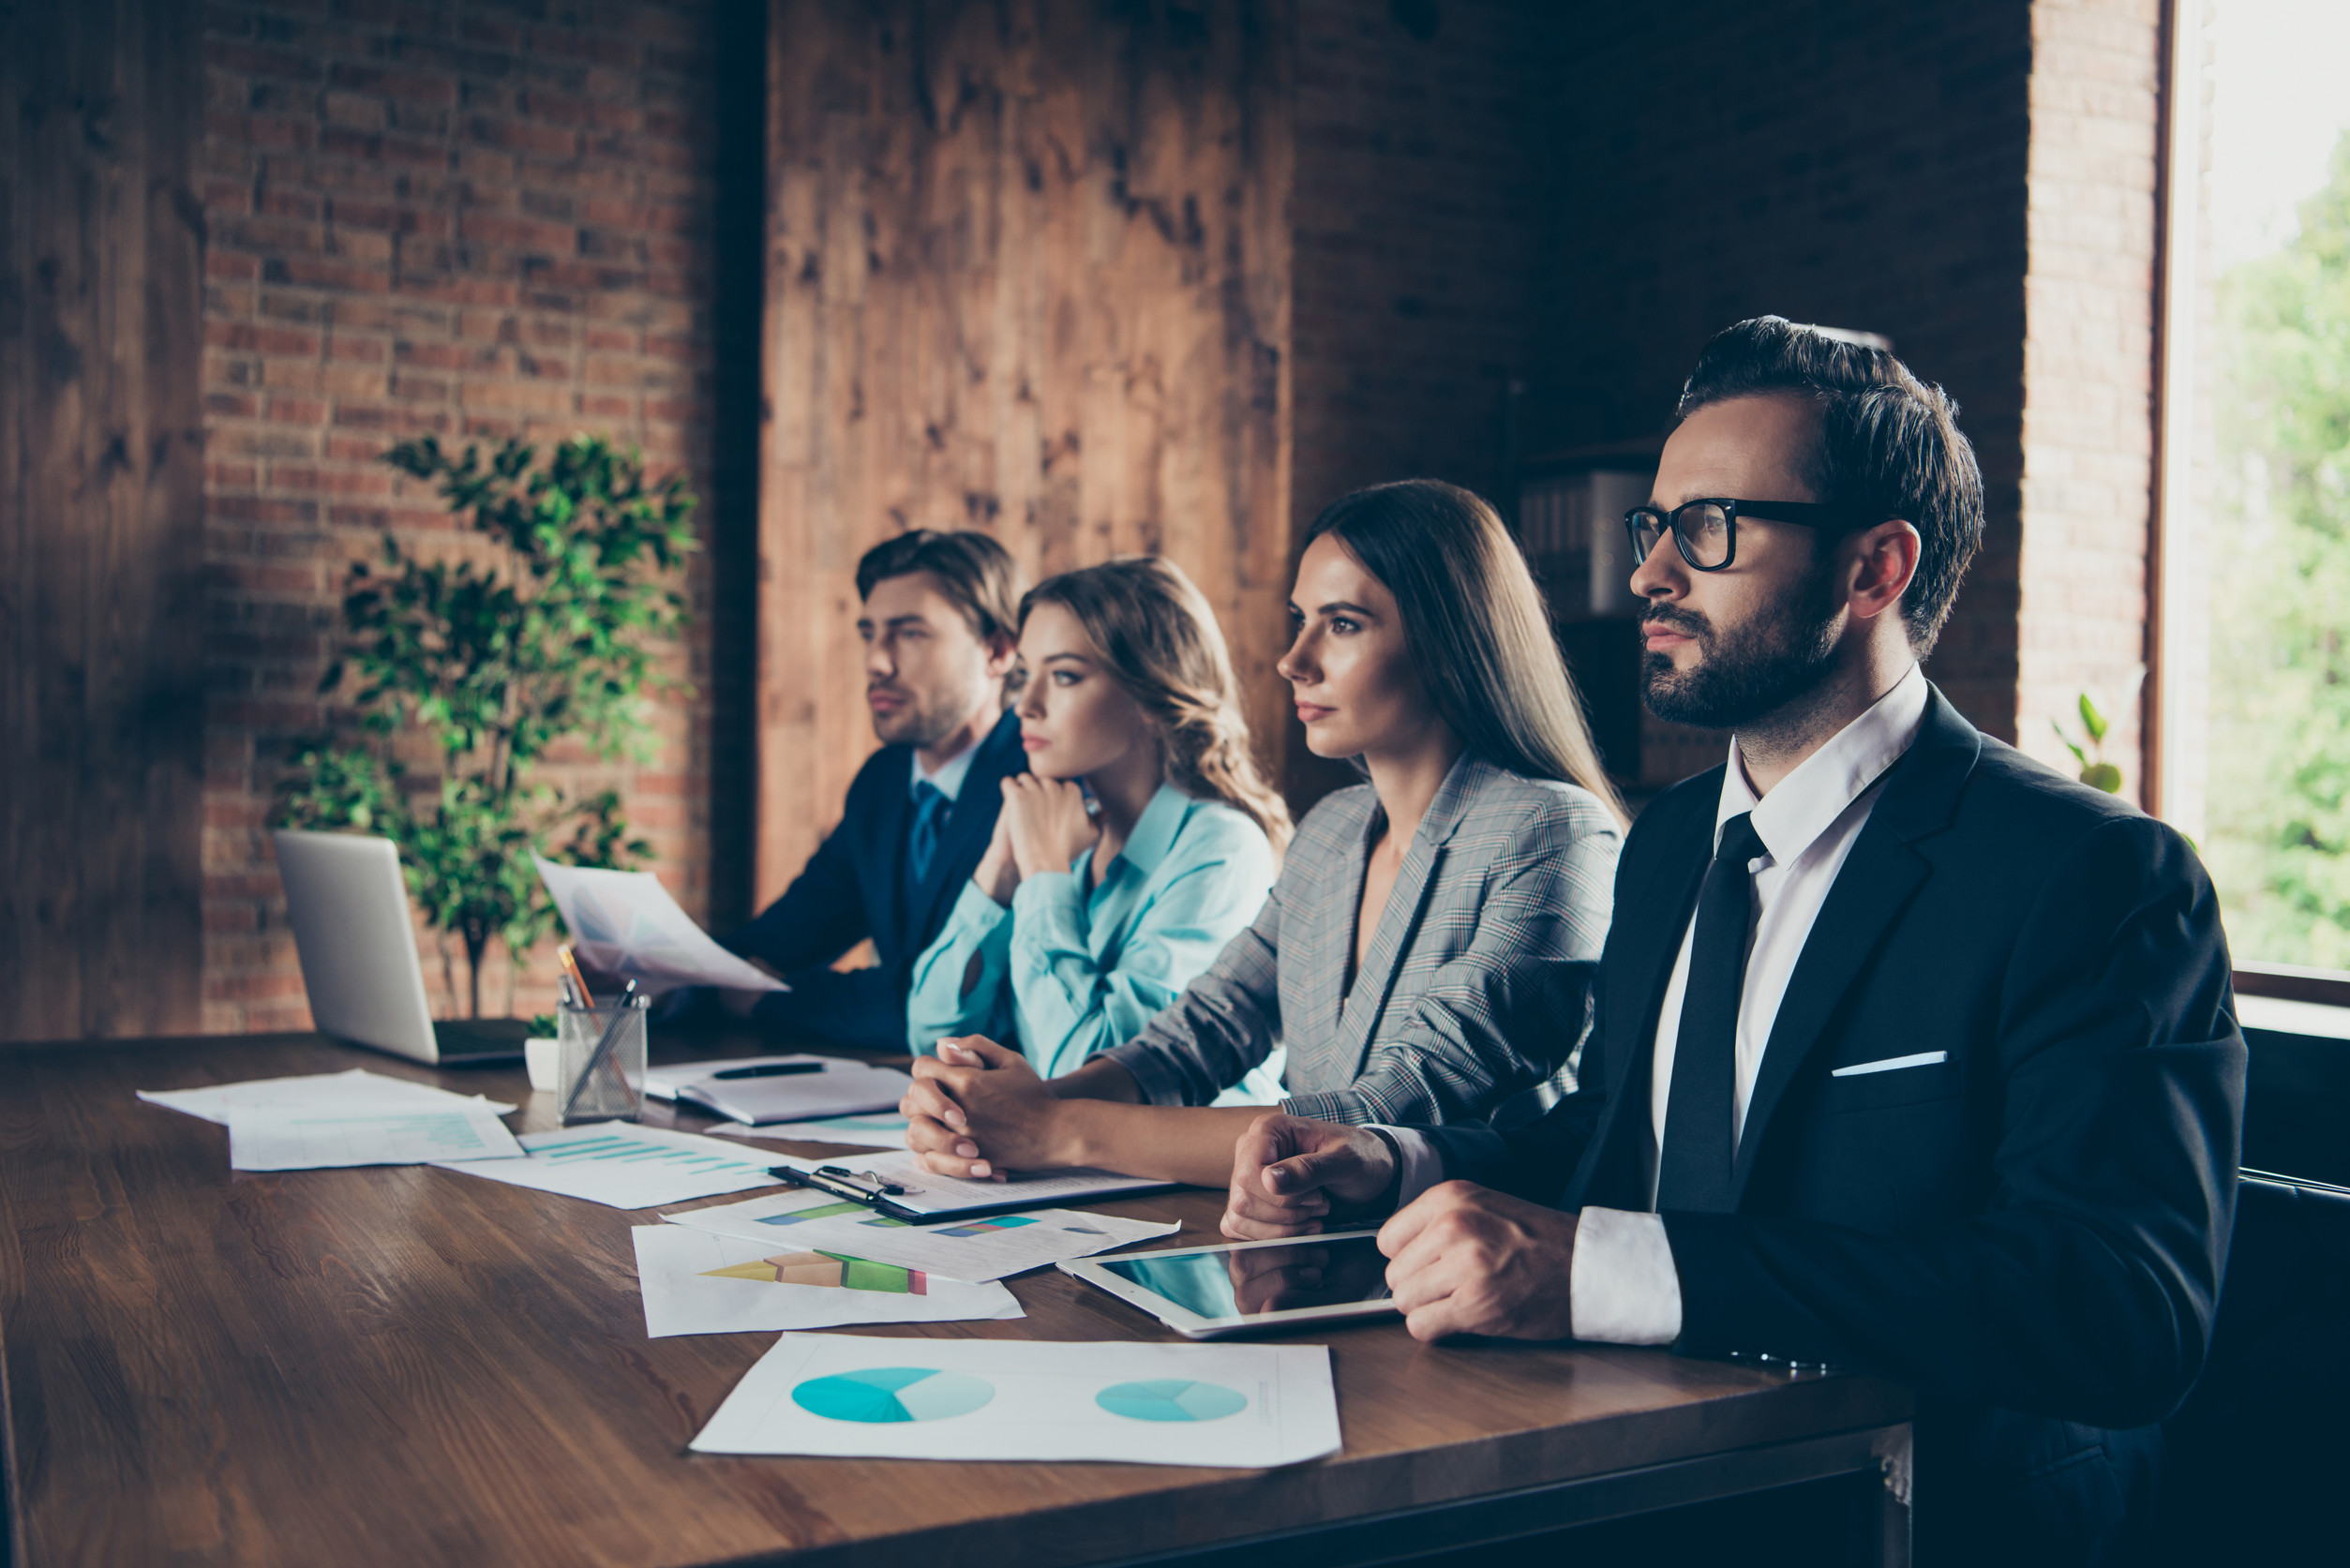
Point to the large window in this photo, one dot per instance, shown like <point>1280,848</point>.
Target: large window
<point>2254,697</point>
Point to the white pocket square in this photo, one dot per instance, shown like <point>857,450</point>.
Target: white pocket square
<point>1923,1059</point>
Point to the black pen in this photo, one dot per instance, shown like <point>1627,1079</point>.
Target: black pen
<point>772,1069</point>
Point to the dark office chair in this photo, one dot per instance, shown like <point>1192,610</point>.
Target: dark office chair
<point>2252,1458</point>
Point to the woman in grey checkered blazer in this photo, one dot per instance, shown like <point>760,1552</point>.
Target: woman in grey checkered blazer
<point>1428,952</point>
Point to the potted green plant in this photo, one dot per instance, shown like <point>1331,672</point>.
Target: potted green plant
<point>460,675</point>
<point>2096,772</point>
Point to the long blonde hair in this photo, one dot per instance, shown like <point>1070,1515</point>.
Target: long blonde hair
<point>1158,637</point>
<point>1474,623</point>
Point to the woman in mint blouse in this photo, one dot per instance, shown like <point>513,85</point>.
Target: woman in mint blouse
<point>1140,843</point>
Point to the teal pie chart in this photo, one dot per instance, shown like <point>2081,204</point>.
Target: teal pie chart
<point>883,1394</point>
<point>1172,1399</point>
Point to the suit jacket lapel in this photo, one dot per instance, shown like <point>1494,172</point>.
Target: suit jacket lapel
<point>1367,999</point>
<point>1329,938</point>
<point>969,820</point>
<point>1641,947</point>
<point>895,820</point>
<point>1879,877</point>
<point>1876,882</point>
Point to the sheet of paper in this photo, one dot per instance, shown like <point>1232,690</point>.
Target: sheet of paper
<point>626,1166</point>
<point>278,1140</point>
<point>624,922</point>
<point>987,1247</point>
<point>698,1282</point>
<point>925,1193</point>
<point>662,1079</point>
<point>356,1091</point>
<point>882,1131</point>
<point>1247,1406</point>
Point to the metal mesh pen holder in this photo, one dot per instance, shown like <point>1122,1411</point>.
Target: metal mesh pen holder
<point>600,1056</point>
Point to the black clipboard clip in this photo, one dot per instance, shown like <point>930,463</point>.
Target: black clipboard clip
<point>858,1187</point>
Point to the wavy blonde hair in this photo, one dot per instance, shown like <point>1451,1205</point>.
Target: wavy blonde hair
<point>1158,638</point>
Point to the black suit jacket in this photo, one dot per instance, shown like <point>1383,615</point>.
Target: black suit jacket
<point>854,888</point>
<point>2031,1232</point>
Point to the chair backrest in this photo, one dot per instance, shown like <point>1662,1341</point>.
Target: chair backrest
<point>2252,1459</point>
<point>2297,1102</point>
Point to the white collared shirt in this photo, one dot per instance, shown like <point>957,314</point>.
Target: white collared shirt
<point>948,780</point>
<point>1621,1287</point>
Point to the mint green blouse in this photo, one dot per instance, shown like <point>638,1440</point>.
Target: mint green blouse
<point>1066,972</point>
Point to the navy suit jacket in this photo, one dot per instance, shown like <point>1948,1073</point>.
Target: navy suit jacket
<point>2030,1232</point>
<point>854,888</point>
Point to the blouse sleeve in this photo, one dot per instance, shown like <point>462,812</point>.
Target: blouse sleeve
<point>958,984</point>
<point>1223,1023</point>
<point>1073,1004</point>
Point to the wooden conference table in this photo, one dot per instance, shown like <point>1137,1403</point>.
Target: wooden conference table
<point>401,1365</point>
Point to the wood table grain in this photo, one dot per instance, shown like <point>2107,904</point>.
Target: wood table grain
<point>402,1365</point>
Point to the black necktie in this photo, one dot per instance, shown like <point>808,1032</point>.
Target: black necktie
<point>1693,1168</point>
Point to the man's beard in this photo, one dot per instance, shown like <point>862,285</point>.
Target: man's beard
<point>1748,672</point>
<point>922,723</point>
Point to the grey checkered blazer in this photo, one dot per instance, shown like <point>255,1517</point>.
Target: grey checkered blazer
<point>1478,981</point>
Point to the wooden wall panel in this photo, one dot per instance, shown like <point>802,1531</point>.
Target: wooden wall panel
<point>1027,270</point>
<point>101,695</point>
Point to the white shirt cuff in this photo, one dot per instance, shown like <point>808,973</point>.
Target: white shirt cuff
<point>1423,1167</point>
<point>1622,1288</point>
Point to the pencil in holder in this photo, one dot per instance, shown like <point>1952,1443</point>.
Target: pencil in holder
<point>600,1061</point>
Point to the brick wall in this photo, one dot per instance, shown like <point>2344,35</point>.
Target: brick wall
<point>1840,161</point>
<point>2088,365</point>
<point>471,219</point>
<point>1419,213</point>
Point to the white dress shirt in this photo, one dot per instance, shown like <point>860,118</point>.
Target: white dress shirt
<point>948,780</point>
<point>1621,1287</point>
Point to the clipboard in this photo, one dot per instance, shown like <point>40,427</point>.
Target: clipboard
<point>894,1186</point>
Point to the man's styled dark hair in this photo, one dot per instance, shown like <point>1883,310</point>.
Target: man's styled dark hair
<point>974,570</point>
<point>1889,444</point>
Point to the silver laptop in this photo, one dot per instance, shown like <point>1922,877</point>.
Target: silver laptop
<point>349,910</point>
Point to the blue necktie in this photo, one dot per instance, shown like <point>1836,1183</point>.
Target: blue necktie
<point>1693,1170</point>
<point>921,840</point>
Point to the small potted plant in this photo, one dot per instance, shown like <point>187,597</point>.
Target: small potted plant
<point>461,675</point>
<point>2096,772</point>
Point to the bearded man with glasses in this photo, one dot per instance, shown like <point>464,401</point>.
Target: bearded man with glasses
<point>1912,1057</point>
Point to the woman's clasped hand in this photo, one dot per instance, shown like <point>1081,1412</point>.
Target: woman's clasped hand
<point>977,1109</point>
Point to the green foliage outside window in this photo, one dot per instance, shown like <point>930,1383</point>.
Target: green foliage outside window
<point>2279,759</point>
<point>463,675</point>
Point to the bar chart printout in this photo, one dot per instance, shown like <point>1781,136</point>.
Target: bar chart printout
<point>626,1167</point>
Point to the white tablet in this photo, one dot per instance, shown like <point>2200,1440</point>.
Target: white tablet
<point>1207,1293</point>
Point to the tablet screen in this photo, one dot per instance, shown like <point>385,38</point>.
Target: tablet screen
<point>1253,1281</point>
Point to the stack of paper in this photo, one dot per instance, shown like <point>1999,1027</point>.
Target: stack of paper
<point>854,1089</point>
<point>988,1248</point>
<point>697,1282</point>
<point>345,1118</point>
<point>844,1394</point>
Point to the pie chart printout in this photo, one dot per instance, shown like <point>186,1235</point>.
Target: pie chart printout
<point>882,1394</point>
<point>1172,1399</point>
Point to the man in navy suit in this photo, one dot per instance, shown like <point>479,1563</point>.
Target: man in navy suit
<point>1910,1055</point>
<point>939,624</point>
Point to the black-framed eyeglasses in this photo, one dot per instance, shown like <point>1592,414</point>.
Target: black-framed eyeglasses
<point>1705,530</point>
